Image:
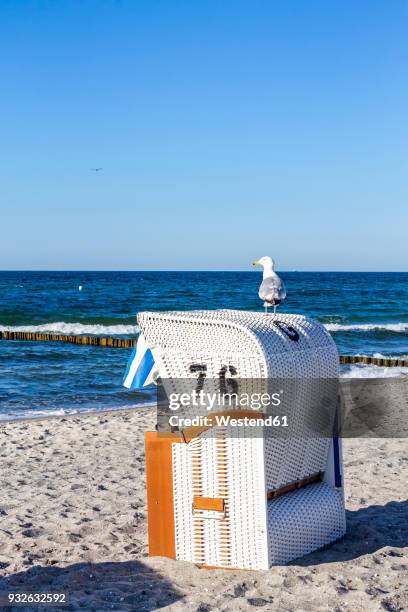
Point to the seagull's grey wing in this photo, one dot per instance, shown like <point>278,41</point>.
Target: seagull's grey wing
<point>272,290</point>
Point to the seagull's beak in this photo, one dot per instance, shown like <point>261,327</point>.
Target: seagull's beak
<point>255,263</point>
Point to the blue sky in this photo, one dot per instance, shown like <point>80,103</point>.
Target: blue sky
<point>226,131</point>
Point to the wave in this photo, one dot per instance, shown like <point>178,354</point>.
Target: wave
<point>395,327</point>
<point>74,329</point>
<point>96,329</point>
<point>19,414</point>
<point>382,356</point>
<point>362,370</point>
<point>30,414</point>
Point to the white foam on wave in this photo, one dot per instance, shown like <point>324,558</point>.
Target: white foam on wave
<point>30,414</point>
<point>382,356</point>
<point>60,327</point>
<point>361,370</point>
<point>74,329</point>
<point>395,327</point>
<point>40,414</point>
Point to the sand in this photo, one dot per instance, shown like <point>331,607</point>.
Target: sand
<point>73,517</point>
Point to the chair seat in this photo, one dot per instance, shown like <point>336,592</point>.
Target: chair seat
<point>304,520</point>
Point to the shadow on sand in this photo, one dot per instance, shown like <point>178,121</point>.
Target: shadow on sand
<point>133,585</point>
<point>368,530</point>
<point>101,586</point>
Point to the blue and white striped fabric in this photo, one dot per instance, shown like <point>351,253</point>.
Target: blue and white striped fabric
<point>141,367</point>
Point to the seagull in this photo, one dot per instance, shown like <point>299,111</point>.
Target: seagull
<point>272,290</point>
<point>96,169</point>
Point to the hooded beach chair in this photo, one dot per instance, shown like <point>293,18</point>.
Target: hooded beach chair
<point>224,496</point>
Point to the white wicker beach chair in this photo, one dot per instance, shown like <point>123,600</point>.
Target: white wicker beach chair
<point>236,499</point>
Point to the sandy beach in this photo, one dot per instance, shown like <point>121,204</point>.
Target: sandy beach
<point>73,518</point>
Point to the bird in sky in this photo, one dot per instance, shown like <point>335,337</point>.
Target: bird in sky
<point>96,169</point>
<point>272,290</point>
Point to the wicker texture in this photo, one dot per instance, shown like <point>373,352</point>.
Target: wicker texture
<point>219,464</point>
<point>252,342</point>
<point>303,521</point>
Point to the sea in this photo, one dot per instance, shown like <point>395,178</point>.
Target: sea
<point>366,313</point>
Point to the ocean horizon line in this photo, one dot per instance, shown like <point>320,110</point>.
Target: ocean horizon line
<point>159,271</point>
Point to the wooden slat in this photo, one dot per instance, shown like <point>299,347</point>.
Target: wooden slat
<point>208,503</point>
<point>299,484</point>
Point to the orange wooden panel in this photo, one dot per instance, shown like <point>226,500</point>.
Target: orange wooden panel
<point>208,503</point>
<point>159,480</point>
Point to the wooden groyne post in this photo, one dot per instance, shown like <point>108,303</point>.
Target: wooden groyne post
<point>378,361</point>
<point>93,340</point>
